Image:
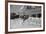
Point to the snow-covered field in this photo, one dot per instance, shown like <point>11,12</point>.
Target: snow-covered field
<point>31,22</point>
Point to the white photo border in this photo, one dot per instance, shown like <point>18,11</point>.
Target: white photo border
<point>24,29</point>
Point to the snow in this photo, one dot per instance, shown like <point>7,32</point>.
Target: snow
<point>31,22</point>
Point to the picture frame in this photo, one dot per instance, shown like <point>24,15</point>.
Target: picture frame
<point>40,6</point>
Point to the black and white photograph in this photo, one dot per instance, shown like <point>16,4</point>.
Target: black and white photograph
<point>25,16</point>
